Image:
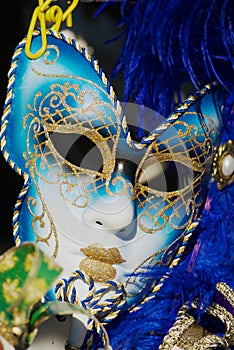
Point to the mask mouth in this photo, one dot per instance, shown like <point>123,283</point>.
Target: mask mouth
<point>99,262</point>
<point>99,253</point>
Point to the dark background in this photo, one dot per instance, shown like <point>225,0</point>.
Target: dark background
<point>14,25</point>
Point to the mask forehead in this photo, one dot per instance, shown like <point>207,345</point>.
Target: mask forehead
<point>63,88</point>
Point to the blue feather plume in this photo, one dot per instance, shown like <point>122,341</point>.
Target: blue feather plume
<point>168,43</point>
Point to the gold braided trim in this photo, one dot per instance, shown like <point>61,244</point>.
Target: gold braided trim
<point>175,262</point>
<point>187,334</point>
<point>181,325</point>
<point>226,317</point>
<point>226,291</point>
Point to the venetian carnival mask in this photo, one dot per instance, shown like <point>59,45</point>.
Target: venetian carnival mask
<point>95,198</point>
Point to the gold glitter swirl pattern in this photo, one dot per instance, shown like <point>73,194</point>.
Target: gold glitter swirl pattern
<point>47,59</point>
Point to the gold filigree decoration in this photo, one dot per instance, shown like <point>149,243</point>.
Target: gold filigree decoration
<point>67,109</point>
<point>48,54</point>
<point>186,145</point>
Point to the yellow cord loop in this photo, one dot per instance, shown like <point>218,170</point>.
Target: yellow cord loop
<point>44,13</point>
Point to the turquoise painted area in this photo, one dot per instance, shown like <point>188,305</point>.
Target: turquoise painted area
<point>39,90</point>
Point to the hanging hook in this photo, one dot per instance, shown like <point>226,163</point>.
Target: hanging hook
<point>68,13</point>
<point>44,13</point>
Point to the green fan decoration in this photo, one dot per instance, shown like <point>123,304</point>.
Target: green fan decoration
<point>26,273</point>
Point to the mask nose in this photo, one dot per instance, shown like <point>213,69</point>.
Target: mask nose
<point>114,213</point>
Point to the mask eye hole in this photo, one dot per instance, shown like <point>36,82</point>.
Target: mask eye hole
<point>167,176</point>
<point>78,150</point>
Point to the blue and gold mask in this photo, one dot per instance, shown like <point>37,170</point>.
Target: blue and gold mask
<point>95,198</point>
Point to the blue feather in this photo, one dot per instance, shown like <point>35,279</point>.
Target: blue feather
<point>170,42</point>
